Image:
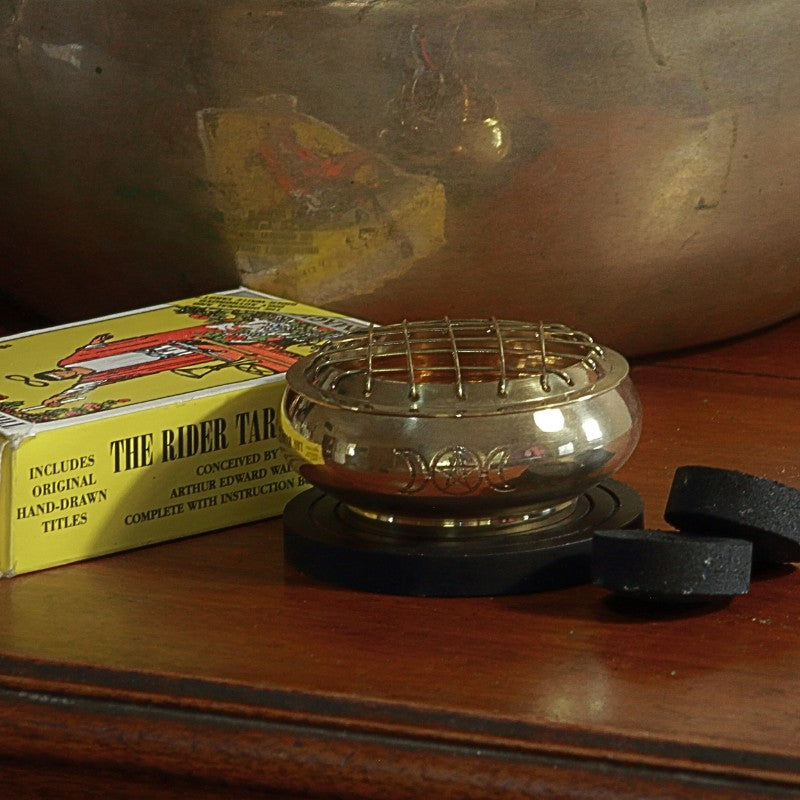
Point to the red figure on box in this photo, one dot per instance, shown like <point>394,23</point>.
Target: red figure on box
<point>256,347</point>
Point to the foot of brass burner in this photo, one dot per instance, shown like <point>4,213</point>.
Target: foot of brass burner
<point>322,540</point>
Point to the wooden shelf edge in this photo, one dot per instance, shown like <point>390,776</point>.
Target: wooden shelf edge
<point>259,747</point>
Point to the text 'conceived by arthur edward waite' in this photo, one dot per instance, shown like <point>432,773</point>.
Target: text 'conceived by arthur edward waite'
<point>142,427</point>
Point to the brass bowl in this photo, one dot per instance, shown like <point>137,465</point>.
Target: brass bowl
<point>457,423</point>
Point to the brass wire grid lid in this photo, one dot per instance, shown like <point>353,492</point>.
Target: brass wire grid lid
<point>464,367</point>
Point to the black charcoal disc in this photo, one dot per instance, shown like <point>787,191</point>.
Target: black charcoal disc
<point>670,567</point>
<point>723,502</point>
<point>323,540</point>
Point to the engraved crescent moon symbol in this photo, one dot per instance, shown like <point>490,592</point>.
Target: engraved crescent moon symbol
<point>417,468</point>
<point>497,475</point>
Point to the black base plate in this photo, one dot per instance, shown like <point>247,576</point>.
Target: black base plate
<point>322,540</point>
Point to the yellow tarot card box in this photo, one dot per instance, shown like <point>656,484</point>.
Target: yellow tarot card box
<point>146,426</point>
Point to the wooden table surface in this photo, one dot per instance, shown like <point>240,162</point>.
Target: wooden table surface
<point>208,668</point>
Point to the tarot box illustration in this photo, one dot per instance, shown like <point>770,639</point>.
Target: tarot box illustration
<point>146,426</point>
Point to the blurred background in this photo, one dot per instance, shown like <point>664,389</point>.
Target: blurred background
<point>626,167</point>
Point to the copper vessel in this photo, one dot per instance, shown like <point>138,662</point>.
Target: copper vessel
<point>629,167</point>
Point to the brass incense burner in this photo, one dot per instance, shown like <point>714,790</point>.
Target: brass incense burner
<point>458,435</point>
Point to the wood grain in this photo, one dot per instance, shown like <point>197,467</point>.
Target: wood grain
<point>774,351</point>
<point>207,667</point>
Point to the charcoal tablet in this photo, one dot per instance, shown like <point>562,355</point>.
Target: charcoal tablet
<point>670,567</point>
<point>723,502</point>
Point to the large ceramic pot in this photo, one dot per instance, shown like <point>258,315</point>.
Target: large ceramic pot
<point>626,167</point>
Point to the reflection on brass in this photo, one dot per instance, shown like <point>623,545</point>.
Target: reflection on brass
<point>439,113</point>
<point>301,205</point>
<point>626,167</point>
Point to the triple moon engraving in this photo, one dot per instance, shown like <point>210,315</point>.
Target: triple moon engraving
<point>456,470</point>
